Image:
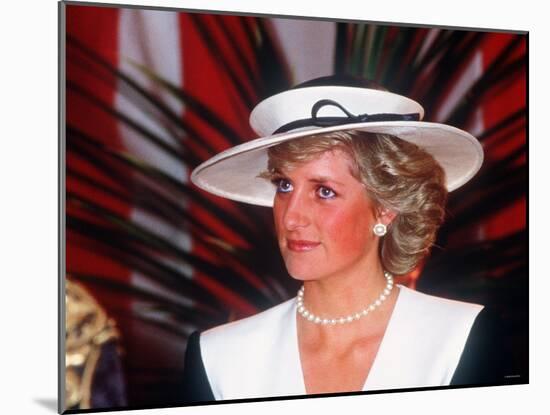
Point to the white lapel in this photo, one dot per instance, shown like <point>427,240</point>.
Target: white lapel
<point>255,357</point>
<point>423,342</point>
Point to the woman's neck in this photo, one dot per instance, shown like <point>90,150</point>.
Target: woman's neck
<point>345,294</point>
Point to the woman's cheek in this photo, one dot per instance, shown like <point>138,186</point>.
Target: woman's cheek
<point>348,229</point>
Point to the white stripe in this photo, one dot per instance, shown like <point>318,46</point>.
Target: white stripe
<point>468,77</point>
<point>307,45</point>
<point>428,42</point>
<point>152,38</point>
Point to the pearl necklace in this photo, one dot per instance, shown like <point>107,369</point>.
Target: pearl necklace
<point>301,309</point>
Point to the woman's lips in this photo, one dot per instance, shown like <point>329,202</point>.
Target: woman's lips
<point>300,245</point>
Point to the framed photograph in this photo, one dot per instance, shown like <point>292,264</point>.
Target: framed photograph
<point>266,207</point>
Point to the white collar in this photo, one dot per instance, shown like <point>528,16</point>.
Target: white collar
<point>259,356</point>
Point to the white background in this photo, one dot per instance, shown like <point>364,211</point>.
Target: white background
<point>28,227</point>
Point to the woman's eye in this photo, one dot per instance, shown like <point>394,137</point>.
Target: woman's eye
<point>283,185</point>
<point>325,193</point>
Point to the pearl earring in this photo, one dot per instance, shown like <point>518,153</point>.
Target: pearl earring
<point>379,229</point>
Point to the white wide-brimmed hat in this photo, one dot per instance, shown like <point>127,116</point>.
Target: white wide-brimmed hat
<point>311,109</point>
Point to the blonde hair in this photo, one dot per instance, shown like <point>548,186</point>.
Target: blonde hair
<point>398,175</point>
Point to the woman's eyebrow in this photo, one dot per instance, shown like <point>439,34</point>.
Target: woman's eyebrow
<point>278,174</point>
<point>324,179</point>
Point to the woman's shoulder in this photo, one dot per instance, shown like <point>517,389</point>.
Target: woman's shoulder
<point>240,349</point>
<point>445,324</point>
<point>269,319</point>
<point>432,307</point>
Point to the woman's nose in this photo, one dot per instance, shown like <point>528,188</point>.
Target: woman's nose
<point>296,214</point>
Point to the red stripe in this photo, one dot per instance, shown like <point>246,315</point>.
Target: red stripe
<point>500,102</point>
<point>95,28</point>
<point>205,78</point>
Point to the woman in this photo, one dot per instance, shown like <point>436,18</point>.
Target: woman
<point>356,200</point>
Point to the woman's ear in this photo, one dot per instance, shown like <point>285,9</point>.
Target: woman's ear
<point>386,216</point>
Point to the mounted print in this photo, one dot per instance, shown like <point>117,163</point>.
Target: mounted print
<point>259,207</point>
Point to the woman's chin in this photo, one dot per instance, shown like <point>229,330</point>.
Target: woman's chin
<point>303,278</point>
<point>303,273</point>
<point>302,265</point>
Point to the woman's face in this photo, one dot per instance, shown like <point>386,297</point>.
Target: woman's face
<point>324,219</point>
